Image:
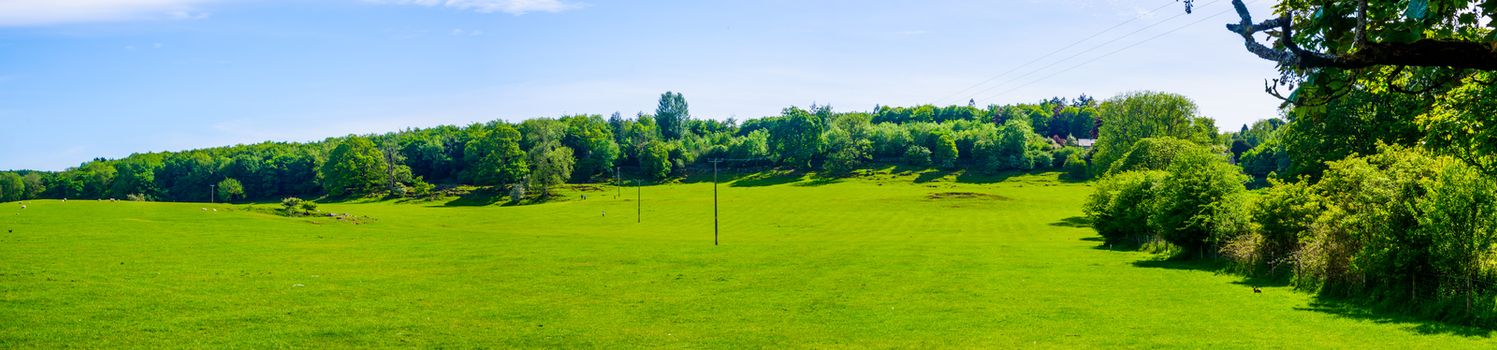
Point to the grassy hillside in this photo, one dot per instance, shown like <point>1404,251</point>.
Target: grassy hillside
<point>905,261</point>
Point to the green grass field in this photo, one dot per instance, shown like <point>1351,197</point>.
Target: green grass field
<point>890,261</point>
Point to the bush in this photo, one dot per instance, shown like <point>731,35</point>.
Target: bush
<point>1154,153</point>
<point>308,207</point>
<point>1191,201</point>
<point>1075,167</point>
<point>917,156</point>
<point>1119,206</point>
<point>944,152</point>
<point>290,204</point>
<point>1283,213</point>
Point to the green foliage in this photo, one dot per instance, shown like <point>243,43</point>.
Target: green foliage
<point>551,164</point>
<point>355,168</point>
<point>1135,116</point>
<point>12,187</point>
<point>291,205</point>
<point>755,145</point>
<point>494,158</point>
<point>1460,123</point>
<point>943,152</point>
<point>655,161</point>
<point>672,114</point>
<point>917,156</point>
<point>1363,115</point>
<point>796,138</point>
<point>593,141</point>
<point>230,190</point>
<point>846,152</point>
<point>1075,167</point>
<point>1120,206</point>
<point>1189,201</point>
<point>1283,213</point>
<point>1154,153</point>
<point>35,185</point>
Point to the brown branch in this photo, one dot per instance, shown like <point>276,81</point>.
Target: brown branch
<point>1361,30</point>
<point>1421,53</point>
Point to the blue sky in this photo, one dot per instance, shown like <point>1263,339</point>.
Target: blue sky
<point>106,78</point>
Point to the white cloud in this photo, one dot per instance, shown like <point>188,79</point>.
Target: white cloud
<point>461,32</point>
<point>47,12</point>
<point>513,7</point>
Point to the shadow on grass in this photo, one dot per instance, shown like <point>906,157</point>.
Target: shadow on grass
<point>933,175</point>
<point>1361,311</point>
<point>1341,307</point>
<point>478,198</point>
<point>768,178</point>
<point>1075,221</point>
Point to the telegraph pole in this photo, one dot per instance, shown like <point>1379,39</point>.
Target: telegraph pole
<point>618,183</point>
<point>714,199</point>
<point>212,189</point>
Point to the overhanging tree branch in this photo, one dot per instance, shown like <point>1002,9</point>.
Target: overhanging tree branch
<point>1419,53</point>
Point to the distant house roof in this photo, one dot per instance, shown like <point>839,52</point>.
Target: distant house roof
<point>1086,142</point>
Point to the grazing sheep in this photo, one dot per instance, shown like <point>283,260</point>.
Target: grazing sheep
<point>203,209</point>
<point>23,206</point>
<point>1256,290</point>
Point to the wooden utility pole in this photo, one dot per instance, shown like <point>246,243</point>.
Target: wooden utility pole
<point>714,199</point>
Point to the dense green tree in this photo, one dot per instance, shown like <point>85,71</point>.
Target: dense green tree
<point>943,152</point>
<point>1284,212</point>
<point>495,158</point>
<point>1189,198</point>
<point>230,190</point>
<point>672,114</point>
<point>12,188</point>
<point>355,167</point>
<point>751,148</point>
<point>35,185</point>
<point>654,160</point>
<point>845,152</point>
<point>1120,206</point>
<point>1134,116</point>
<point>551,165</point>
<point>592,139</point>
<point>136,175</point>
<point>795,138</point>
<point>1154,153</point>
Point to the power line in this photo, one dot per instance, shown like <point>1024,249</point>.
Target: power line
<point>1114,52</point>
<point>1037,59</point>
<point>1089,50</point>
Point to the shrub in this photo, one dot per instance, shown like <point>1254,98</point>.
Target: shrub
<point>1154,153</point>
<point>1283,213</point>
<point>1119,206</point>
<point>917,156</point>
<point>290,204</point>
<point>1075,167</point>
<point>308,207</point>
<point>1187,211</point>
<point>944,152</point>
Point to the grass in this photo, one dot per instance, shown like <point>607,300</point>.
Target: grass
<point>892,260</point>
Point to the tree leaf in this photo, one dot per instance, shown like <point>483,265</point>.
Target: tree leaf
<point>1417,9</point>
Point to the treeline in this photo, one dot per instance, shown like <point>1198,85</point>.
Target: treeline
<point>534,155</point>
<point>1382,196</point>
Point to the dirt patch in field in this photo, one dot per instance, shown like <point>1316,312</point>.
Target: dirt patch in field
<point>966,195</point>
<point>587,188</point>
